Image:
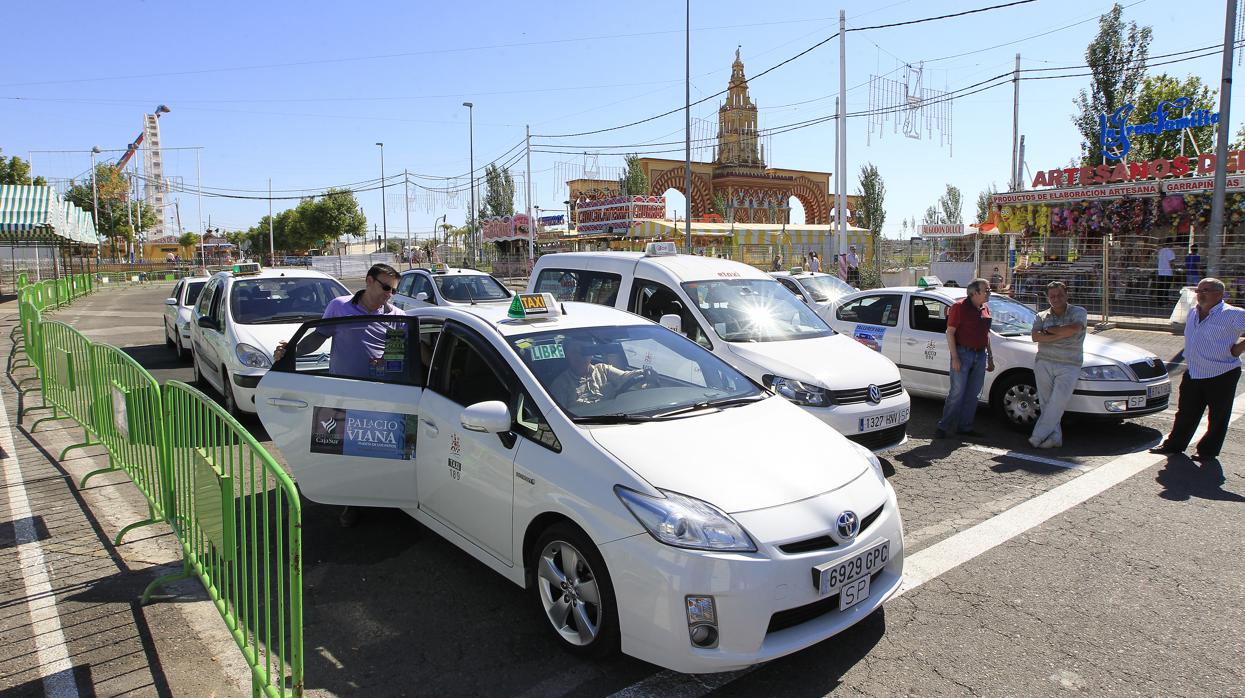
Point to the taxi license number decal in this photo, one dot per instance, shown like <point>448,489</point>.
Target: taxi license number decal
<point>542,352</point>
<point>533,303</point>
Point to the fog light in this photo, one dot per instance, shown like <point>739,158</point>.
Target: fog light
<point>702,620</point>
<point>1116,405</point>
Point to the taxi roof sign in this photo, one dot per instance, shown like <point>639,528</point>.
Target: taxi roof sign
<point>440,268</point>
<point>661,249</point>
<point>796,270</point>
<point>524,305</point>
<point>928,282</point>
<point>246,268</point>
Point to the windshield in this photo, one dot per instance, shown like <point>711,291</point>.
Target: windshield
<point>755,310</point>
<point>192,292</point>
<point>467,288</point>
<point>1009,318</point>
<point>276,300</point>
<point>630,373</point>
<point>825,288</point>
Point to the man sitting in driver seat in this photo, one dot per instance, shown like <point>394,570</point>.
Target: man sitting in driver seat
<point>585,383</point>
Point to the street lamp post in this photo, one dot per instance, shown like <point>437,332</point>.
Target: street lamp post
<point>471,152</point>
<point>567,203</point>
<point>95,192</point>
<point>384,216</point>
<point>434,238</point>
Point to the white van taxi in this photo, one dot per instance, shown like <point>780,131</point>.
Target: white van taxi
<point>749,320</point>
<point>651,497</point>
<point>239,318</point>
<point>909,325</point>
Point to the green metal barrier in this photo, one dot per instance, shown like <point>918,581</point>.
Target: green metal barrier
<point>128,418</point>
<point>23,280</point>
<point>239,519</point>
<point>68,385</point>
<point>32,329</point>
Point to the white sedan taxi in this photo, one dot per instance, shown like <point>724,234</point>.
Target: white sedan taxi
<point>818,290</point>
<point>239,318</point>
<point>177,313</point>
<point>442,285</point>
<point>908,324</point>
<point>649,496</point>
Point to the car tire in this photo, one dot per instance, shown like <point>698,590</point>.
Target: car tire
<point>168,339</point>
<point>566,566</point>
<point>1015,398</point>
<point>199,382</point>
<point>226,393</point>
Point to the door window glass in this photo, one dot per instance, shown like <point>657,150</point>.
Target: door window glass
<point>423,285</point>
<point>754,310</point>
<point>205,298</point>
<point>360,347</point>
<point>652,300</point>
<point>576,285</point>
<point>881,309</point>
<point>531,423</point>
<point>461,373</point>
<point>192,292</point>
<point>929,315</point>
<point>404,283</point>
<point>791,286</point>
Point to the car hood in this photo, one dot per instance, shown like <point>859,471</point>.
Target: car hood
<point>1096,349</point>
<point>753,456</point>
<point>266,336</point>
<point>837,362</point>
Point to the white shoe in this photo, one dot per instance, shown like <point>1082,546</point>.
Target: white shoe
<point>1035,444</point>
<point>1050,443</point>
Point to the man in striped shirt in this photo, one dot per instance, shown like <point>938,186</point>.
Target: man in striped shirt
<point>1212,350</point>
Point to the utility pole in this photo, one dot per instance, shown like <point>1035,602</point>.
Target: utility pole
<point>531,225</point>
<point>406,203</point>
<point>1214,233</point>
<point>384,214</point>
<point>272,246</point>
<point>687,127</point>
<point>1016,179</point>
<point>840,191</point>
<point>471,162</point>
<point>95,197</point>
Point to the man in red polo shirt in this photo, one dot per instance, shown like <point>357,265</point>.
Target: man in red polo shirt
<point>968,339</point>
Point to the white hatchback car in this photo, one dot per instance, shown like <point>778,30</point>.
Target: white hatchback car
<point>442,285</point>
<point>819,290</point>
<point>909,324</point>
<point>667,503</point>
<point>239,318</point>
<point>177,313</point>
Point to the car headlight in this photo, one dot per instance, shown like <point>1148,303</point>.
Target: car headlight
<point>251,357</point>
<point>799,392</point>
<point>871,457</point>
<point>685,522</point>
<point>1104,373</point>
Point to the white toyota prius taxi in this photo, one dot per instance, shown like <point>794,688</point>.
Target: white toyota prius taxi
<point>651,497</point>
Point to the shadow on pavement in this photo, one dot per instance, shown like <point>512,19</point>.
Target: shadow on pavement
<point>155,356</point>
<point>1182,479</point>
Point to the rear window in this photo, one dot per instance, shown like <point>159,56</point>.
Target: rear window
<point>578,285</point>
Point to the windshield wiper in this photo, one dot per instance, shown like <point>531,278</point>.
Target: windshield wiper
<point>284,318</point>
<point>711,404</point>
<point>612,419</point>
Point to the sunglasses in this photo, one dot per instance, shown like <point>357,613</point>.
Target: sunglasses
<point>384,286</point>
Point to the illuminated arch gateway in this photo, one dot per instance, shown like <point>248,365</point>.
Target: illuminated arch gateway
<point>738,178</point>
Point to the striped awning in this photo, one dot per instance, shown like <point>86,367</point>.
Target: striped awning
<point>748,233</point>
<point>31,213</point>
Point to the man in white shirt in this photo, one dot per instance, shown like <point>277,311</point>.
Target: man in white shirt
<point>1164,274</point>
<point>853,266</point>
<point>1212,351</point>
<point>814,263</point>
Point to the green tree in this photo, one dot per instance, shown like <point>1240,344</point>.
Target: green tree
<point>1160,88</point>
<point>634,182</point>
<point>499,192</point>
<point>871,211</point>
<point>983,203</point>
<point>933,216</point>
<point>952,205</point>
<point>115,208</point>
<point>1117,60</point>
<point>313,223</point>
<point>1238,142</point>
<point>188,240</point>
<point>17,171</point>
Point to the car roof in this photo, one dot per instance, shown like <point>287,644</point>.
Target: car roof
<point>951,293</point>
<point>277,274</point>
<point>801,275</point>
<point>449,270</point>
<point>195,278</point>
<point>574,315</point>
<point>685,267</point>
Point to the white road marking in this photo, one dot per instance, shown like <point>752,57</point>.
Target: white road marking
<point>55,667</point>
<point>1030,457</point>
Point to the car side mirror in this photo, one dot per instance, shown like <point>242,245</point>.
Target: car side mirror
<point>672,322</point>
<point>422,296</point>
<point>208,323</point>
<point>170,301</point>
<point>490,417</point>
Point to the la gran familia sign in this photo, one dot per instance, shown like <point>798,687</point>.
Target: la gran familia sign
<point>1115,131</point>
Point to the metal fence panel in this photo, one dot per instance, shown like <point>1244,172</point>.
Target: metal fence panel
<point>239,519</point>
<point>68,386</point>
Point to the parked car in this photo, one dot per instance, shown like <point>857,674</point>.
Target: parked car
<point>443,285</point>
<point>177,312</point>
<point>908,325</point>
<point>819,290</point>
<point>240,317</point>
<point>749,320</point>
<point>652,510</point>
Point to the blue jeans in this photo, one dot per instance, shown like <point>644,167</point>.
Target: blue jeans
<point>961,405</point>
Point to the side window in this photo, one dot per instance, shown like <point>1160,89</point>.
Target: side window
<point>205,298</point>
<point>429,332</point>
<point>531,423</point>
<point>929,315</point>
<point>652,300</point>
<point>177,292</point>
<point>577,285</point>
<point>405,283</point>
<point>423,285</point>
<point>882,309</point>
<point>791,285</point>
<point>214,310</point>
<point>461,373</point>
<point>359,347</point>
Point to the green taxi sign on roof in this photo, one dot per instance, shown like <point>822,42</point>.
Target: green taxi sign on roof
<point>516,311</point>
<point>928,282</point>
<point>244,268</point>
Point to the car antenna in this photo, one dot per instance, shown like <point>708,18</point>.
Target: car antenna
<point>469,296</point>
<point>563,308</point>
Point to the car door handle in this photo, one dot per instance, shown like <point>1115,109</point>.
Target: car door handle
<point>912,342</point>
<point>430,427</point>
<point>285,402</point>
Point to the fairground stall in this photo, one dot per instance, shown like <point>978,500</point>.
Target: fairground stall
<point>959,253</point>
<point>44,235</point>
<point>510,236</point>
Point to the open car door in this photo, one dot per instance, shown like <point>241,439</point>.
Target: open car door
<point>342,405</point>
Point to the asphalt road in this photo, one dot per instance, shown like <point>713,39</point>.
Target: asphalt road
<point>1101,570</point>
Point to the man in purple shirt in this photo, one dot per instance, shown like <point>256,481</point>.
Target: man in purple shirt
<point>1212,351</point>
<point>358,349</point>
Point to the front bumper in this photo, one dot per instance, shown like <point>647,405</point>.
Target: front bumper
<point>1124,399</point>
<point>767,606</point>
<point>245,386</point>
<point>848,421</point>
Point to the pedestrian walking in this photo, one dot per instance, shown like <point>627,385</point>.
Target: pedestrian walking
<point>1060,335</point>
<point>1163,275</point>
<point>777,265</point>
<point>968,340</point>
<point>853,266</point>
<point>1212,350</point>
<point>996,281</point>
<point>1192,266</point>
<point>814,263</point>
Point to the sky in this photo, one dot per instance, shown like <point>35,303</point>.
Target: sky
<point>300,93</point>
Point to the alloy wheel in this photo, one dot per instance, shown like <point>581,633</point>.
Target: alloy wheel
<point>569,592</point>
